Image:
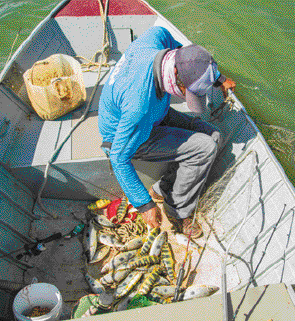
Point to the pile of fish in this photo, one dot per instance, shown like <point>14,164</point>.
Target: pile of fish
<point>144,265</point>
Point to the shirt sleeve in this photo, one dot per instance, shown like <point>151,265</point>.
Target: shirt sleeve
<point>133,129</point>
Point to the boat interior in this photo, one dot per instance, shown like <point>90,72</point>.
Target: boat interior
<point>246,188</point>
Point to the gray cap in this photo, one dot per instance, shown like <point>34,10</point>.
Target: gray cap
<point>191,62</point>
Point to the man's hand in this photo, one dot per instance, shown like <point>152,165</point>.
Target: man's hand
<point>228,84</point>
<point>153,217</point>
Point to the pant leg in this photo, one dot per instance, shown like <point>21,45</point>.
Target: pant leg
<point>192,148</point>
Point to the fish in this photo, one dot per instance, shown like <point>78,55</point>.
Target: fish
<point>166,291</point>
<point>94,284</point>
<point>150,280</point>
<point>167,258</point>
<point>145,260</point>
<point>103,221</point>
<point>105,300</point>
<point>133,244</point>
<point>117,260</point>
<point>109,240</point>
<point>158,243</point>
<point>182,239</point>
<point>122,285</point>
<point>130,285</point>
<point>197,291</point>
<point>92,310</point>
<point>150,239</point>
<point>158,298</point>
<point>123,304</point>
<point>162,281</point>
<point>100,254</point>
<point>113,277</point>
<point>99,204</point>
<point>122,209</point>
<point>91,240</point>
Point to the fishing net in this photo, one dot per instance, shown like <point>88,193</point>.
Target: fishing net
<point>140,301</point>
<point>232,180</point>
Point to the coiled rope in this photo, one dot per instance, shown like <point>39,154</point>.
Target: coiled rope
<point>104,55</point>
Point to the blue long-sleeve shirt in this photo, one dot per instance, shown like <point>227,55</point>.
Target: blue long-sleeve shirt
<point>129,108</point>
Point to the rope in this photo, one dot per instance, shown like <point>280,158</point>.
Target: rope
<point>105,44</point>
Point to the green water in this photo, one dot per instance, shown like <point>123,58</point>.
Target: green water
<point>252,41</point>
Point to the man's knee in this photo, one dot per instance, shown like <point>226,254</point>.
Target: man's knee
<point>211,144</point>
<point>216,135</point>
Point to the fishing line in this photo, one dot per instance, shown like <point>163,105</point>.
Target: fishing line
<point>223,277</point>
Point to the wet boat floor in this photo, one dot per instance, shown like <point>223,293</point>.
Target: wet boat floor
<point>64,263</point>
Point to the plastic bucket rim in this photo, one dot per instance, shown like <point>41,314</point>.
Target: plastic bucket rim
<point>57,309</point>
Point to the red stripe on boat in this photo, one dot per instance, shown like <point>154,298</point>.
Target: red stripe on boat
<point>81,8</point>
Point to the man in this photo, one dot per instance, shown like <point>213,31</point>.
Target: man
<point>136,121</point>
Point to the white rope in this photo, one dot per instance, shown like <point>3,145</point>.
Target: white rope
<point>105,43</point>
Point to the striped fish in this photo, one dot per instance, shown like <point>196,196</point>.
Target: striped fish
<point>100,254</point>
<point>167,258</point>
<point>197,291</point>
<point>151,279</point>
<point>109,240</point>
<point>150,239</point>
<point>99,204</point>
<point>162,281</point>
<point>92,240</point>
<point>117,260</point>
<point>123,304</point>
<point>166,291</point>
<point>103,221</point>
<point>145,260</point>
<point>133,244</point>
<point>94,284</point>
<point>158,243</point>
<point>158,298</point>
<point>113,277</point>
<point>130,285</point>
<point>122,209</point>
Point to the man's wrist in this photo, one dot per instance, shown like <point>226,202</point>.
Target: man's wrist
<point>146,207</point>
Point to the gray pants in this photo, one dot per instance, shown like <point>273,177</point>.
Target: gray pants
<point>191,146</point>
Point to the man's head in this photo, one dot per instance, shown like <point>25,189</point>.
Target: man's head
<point>197,71</point>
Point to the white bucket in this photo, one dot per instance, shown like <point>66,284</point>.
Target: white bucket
<point>39,294</point>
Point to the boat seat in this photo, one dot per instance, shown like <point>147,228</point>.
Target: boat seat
<point>37,139</point>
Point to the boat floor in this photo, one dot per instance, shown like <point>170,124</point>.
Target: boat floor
<point>64,264</point>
